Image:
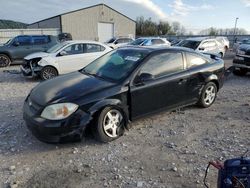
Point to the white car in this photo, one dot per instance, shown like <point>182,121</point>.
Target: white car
<point>224,41</point>
<point>63,58</point>
<point>204,45</point>
<point>119,42</point>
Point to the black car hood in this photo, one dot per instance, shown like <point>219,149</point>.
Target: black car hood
<point>67,88</point>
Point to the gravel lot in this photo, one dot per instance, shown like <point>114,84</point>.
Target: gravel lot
<point>164,150</point>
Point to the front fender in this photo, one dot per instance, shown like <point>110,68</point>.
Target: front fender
<point>44,63</point>
<point>212,77</point>
<point>110,102</point>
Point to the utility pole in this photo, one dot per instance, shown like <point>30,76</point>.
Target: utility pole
<point>235,26</point>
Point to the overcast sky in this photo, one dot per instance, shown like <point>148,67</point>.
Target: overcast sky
<point>193,14</point>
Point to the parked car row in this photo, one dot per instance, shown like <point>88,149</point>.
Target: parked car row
<point>106,88</point>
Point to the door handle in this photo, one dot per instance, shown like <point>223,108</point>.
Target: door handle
<point>181,81</point>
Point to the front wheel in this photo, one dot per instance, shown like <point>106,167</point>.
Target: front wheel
<point>4,60</point>
<point>109,125</point>
<point>48,73</point>
<point>208,95</point>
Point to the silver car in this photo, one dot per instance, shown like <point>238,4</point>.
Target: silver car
<point>151,41</point>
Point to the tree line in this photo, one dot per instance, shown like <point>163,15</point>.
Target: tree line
<point>148,27</point>
<point>228,31</point>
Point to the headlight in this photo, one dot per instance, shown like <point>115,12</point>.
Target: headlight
<point>240,52</point>
<point>59,111</point>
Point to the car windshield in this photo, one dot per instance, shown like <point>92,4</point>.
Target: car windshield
<point>115,65</point>
<point>189,44</point>
<point>111,40</point>
<point>138,42</point>
<point>57,47</point>
<point>246,42</point>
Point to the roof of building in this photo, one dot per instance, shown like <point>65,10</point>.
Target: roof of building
<point>101,4</point>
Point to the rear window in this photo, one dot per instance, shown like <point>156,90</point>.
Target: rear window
<point>194,60</point>
<point>40,39</point>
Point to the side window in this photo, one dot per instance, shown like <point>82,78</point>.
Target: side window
<point>74,49</point>
<point>119,41</point>
<point>163,64</point>
<point>194,60</point>
<point>157,41</point>
<point>40,40</point>
<point>91,48</point>
<point>24,40</point>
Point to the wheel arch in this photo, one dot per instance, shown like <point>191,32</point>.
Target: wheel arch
<point>214,78</point>
<point>99,106</point>
<point>52,67</point>
<point>7,54</point>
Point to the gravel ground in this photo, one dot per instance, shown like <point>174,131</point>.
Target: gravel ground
<point>164,150</point>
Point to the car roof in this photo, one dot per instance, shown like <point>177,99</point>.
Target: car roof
<point>33,35</point>
<point>199,39</point>
<point>149,38</point>
<point>160,49</point>
<point>83,41</point>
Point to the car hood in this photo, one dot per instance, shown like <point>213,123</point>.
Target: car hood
<point>67,88</point>
<point>37,55</point>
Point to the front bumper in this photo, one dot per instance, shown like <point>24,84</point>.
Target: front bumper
<point>241,61</point>
<point>54,131</point>
<point>30,71</point>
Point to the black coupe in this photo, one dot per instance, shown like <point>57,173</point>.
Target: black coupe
<point>119,87</point>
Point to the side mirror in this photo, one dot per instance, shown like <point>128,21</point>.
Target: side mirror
<point>16,43</point>
<point>115,42</point>
<point>143,78</point>
<point>63,53</point>
<point>201,48</point>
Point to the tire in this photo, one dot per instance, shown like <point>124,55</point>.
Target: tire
<point>240,72</point>
<point>208,95</point>
<point>4,60</point>
<point>48,72</point>
<point>109,124</point>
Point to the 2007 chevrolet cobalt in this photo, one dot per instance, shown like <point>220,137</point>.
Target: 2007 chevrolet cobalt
<point>119,87</point>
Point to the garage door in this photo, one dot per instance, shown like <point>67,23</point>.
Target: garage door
<point>105,31</point>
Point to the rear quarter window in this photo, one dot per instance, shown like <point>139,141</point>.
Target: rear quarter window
<point>195,60</point>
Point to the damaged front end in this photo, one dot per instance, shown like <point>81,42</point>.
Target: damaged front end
<point>31,68</point>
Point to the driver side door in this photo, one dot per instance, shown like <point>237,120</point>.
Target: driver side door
<point>167,88</point>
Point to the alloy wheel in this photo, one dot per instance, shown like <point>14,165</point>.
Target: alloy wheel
<point>210,95</point>
<point>112,122</point>
<point>49,73</point>
<point>4,61</point>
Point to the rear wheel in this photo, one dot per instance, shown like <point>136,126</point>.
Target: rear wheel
<point>48,73</point>
<point>240,72</point>
<point>208,95</point>
<point>4,60</point>
<point>109,125</point>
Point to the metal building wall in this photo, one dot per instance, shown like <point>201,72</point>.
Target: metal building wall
<point>54,22</point>
<point>83,24</point>
<point>6,34</point>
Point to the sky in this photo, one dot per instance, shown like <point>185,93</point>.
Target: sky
<point>195,15</point>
